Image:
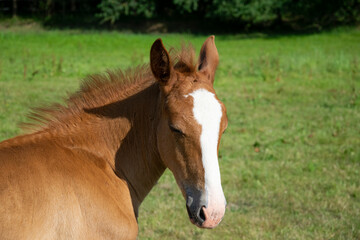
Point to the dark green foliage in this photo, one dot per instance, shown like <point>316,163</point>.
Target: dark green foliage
<point>187,6</point>
<point>321,13</point>
<point>255,11</point>
<point>300,14</point>
<point>303,13</point>
<point>113,10</point>
<point>297,14</point>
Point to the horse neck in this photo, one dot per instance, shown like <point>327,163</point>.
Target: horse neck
<point>124,134</point>
<point>137,159</point>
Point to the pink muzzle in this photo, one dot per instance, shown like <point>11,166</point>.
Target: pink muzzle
<point>206,214</point>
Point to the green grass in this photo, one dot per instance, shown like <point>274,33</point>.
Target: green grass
<point>290,159</point>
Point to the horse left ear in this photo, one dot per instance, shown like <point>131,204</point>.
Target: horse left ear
<point>160,62</point>
<point>209,58</point>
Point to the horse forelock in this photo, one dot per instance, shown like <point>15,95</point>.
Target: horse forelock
<point>184,60</point>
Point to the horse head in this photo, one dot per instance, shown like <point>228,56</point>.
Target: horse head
<point>192,122</point>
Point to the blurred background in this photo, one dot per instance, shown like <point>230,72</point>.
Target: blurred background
<point>187,15</point>
<point>289,75</point>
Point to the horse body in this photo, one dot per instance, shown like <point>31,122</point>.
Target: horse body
<point>81,167</point>
<point>84,174</point>
<point>56,191</point>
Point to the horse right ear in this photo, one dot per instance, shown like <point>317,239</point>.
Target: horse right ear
<point>209,58</point>
<point>160,62</point>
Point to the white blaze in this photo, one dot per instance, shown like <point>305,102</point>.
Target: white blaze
<point>207,112</point>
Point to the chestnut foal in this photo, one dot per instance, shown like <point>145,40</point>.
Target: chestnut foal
<point>84,171</point>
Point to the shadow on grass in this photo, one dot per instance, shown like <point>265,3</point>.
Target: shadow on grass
<point>228,30</point>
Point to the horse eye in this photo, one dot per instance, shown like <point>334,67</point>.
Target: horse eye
<point>175,130</point>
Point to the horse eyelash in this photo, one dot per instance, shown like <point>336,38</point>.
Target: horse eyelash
<point>175,130</point>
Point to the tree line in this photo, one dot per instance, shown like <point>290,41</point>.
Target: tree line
<point>265,13</point>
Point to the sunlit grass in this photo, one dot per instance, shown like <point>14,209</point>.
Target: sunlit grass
<point>290,159</point>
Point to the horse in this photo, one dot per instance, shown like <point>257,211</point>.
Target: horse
<point>87,165</point>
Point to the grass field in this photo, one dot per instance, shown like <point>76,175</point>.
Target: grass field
<point>290,159</point>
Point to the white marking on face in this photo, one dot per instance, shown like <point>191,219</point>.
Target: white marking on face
<point>207,112</point>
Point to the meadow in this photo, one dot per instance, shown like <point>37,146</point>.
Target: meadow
<point>290,158</point>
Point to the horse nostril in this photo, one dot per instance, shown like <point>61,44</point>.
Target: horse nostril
<point>202,214</point>
<point>197,216</point>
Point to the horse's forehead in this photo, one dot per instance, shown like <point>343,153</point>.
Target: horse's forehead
<point>199,109</point>
<point>190,83</point>
<point>180,101</point>
<point>205,105</point>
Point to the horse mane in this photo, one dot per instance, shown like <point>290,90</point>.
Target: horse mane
<point>101,89</point>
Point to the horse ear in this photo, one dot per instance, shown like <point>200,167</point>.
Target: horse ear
<point>160,62</point>
<point>209,58</point>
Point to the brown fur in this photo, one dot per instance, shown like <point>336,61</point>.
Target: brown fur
<point>87,165</point>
